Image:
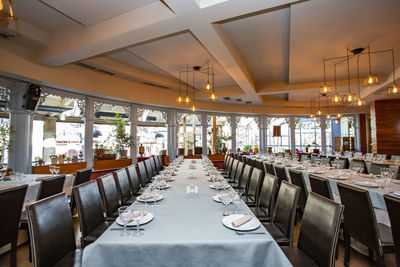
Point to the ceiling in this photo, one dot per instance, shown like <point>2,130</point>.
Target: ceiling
<point>265,53</point>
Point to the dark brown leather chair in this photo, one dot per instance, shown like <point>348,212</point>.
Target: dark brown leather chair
<point>53,240</point>
<point>134,180</point>
<point>320,186</point>
<point>281,174</point>
<point>318,234</point>
<point>123,187</point>
<point>266,202</point>
<point>243,183</point>
<point>283,218</point>
<point>360,223</point>
<point>232,171</point>
<point>81,176</point>
<point>11,202</point>
<point>269,168</point>
<point>252,191</point>
<point>144,179</point>
<point>393,208</point>
<point>92,222</point>
<point>109,196</point>
<point>298,180</point>
<point>376,168</point>
<point>153,166</point>
<point>238,175</point>
<point>358,163</point>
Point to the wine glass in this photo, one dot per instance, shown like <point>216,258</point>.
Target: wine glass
<point>51,169</point>
<point>56,169</point>
<point>237,200</point>
<point>137,217</point>
<point>226,199</point>
<point>125,216</point>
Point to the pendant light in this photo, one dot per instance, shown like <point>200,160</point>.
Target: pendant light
<point>319,112</point>
<point>193,106</point>
<point>187,98</point>
<point>208,86</point>
<point>359,102</point>
<point>325,89</point>
<point>213,97</point>
<point>180,98</point>
<point>349,97</point>
<point>394,89</point>
<point>328,114</point>
<point>311,109</point>
<point>336,99</point>
<point>371,79</point>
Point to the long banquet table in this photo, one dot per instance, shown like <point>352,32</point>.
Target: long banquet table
<point>186,231</point>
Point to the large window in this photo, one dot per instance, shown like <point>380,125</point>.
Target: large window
<point>308,134</point>
<point>329,148</point>
<point>152,133</point>
<point>247,133</point>
<point>278,143</point>
<point>4,140</point>
<point>189,135</point>
<point>221,141</point>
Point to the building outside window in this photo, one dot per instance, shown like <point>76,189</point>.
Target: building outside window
<point>276,143</point>
<point>152,133</point>
<point>247,134</point>
<point>308,134</point>
<point>221,140</point>
<point>189,135</point>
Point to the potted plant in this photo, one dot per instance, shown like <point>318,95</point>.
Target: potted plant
<point>247,148</point>
<point>68,159</point>
<point>190,145</point>
<point>40,161</point>
<point>5,143</point>
<point>122,140</point>
<point>61,159</point>
<point>53,159</point>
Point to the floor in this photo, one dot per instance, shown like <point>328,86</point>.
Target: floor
<point>357,259</point>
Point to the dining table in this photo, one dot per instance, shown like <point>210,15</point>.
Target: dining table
<point>186,230</point>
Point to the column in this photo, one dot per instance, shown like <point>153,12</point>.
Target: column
<point>171,124</point>
<point>184,135</point>
<point>89,122</point>
<point>233,130</point>
<point>214,135</point>
<point>21,121</point>
<point>204,133</point>
<point>292,126</point>
<point>262,134</point>
<point>323,134</point>
<point>49,137</point>
<point>134,122</point>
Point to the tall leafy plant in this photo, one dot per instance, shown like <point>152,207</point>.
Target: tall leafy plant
<point>121,140</point>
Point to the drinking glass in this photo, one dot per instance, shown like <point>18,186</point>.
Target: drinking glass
<point>226,199</point>
<point>56,169</point>
<point>138,216</point>
<point>51,168</point>
<point>237,200</point>
<point>125,216</point>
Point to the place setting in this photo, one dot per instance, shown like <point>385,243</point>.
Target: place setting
<point>131,219</point>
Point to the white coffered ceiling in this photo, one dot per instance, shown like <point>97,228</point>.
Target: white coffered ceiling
<point>262,51</point>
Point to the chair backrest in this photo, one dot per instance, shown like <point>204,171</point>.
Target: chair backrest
<point>268,193</point>
<point>52,237</point>
<point>359,216</point>
<point>319,234</point>
<point>285,209</point>
<point>358,163</point>
<point>357,154</point>
<point>395,157</point>
<point>303,157</point>
<point>342,163</point>
<point>89,206</point>
<point>281,174</point>
<point>393,208</point>
<point>297,178</point>
<point>149,169</point>
<point>153,166</point>
<point>82,176</point>
<point>11,202</point>
<point>157,163</point>
<point>123,185</point>
<point>229,164</point>
<point>254,185</point>
<point>109,194</point>
<point>260,165</point>
<point>50,186</point>
<point>369,155</point>
<point>314,158</point>
<point>382,156</point>
<point>325,160</point>
<point>269,168</point>
<point>246,176</point>
<point>133,178</point>
<point>239,172</point>
<point>234,168</point>
<point>225,161</point>
<point>376,168</point>
<point>320,186</point>
<point>143,173</point>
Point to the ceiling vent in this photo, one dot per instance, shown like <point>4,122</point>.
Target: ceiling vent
<point>227,98</point>
<point>248,102</point>
<point>239,100</point>
<point>156,85</point>
<point>84,65</point>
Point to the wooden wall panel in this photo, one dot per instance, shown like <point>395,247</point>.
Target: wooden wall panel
<point>385,127</point>
<point>363,133</point>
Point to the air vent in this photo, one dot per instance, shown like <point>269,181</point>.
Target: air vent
<point>238,100</point>
<point>156,85</point>
<point>86,66</point>
<point>6,34</point>
<point>248,102</point>
<point>227,98</point>
<point>105,72</point>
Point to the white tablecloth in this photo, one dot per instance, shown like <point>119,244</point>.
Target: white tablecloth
<point>186,231</point>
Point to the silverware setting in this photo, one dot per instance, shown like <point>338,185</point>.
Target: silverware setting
<point>129,229</point>
<point>249,233</point>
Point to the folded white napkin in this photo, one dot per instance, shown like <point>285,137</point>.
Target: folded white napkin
<point>242,220</point>
<point>136,213</point>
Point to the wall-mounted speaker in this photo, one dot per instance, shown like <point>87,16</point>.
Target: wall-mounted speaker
<point>31,97</point>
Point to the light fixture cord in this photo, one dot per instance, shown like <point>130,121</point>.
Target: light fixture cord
<point>193,88</point>
<point>324,74</point>
<point>334,70</point>
<point>348,71</point>
<point>358,75</point>
<point>180,82</point>
<point>213,85</point>
<point>187,80</point>
<point>394,77</point>
<point>369,60</point>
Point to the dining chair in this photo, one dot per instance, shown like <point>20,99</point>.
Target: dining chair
<point>144,179</point>
<point>260,165</point>
<point>149,169</point>
<point>53,241</point>
<point>376,168</point>
<point>123,187</point>
<point>393,208</point>
<point>369,156</point>
<point>223,170</point>
<point>134,180</point>
<point>252,191</point>
<point>325,160</point>
<point>11,203</point>
<point>266,202</point>
<point>297,179</point>
<point>395,157</point>
<point>81,176</point>
<point>245,178</point>
<point>92,222</point>
<point>320,186</point>
<point>360,163</point>
<point>357,154</point>
<point>109,196</point>
<point>233,170</point>
<point>342,163</point>
<point>161,161</point>
<point>382,156</point>
<point>283,218</point>
<point>158,163</point>
<point>269,168</point>
<point>303,157</point>
<point>153,165</point>
<point>361,225</point>
<point>235,183</point>
<point>318,236</point>
<point>281,174</point>
<point>228,166</point>
<point>314,158</point>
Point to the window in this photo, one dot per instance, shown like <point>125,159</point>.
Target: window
<point>247,133</point>
<point>223,135</point>
<point>307,134</point>
<point>189,133</point>
<point>282,143</point>
<point>328,131</point>
<point>152,133</point>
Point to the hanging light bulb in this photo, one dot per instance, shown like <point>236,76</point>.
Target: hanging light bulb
<point>179,99</point>
<point>339,115</point>
<point>349,97</point>
<point>337,121</point>
<point>336,99</point>
<point>207,86</point>
<point>319,112</point>
<point>328,116</point>
<point>315,118</point>
<point>187,99</point>
<point>213,97</point>
<point>359,102</point>
<point>394,89</point>
<point>325,89</point>
<point>193,108</point>
<point>371,79</point>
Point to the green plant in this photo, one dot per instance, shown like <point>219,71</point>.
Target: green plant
<point>247,148</point>
<point>191,143</point>
<point>121,140</point>
<point>5,142</point>
<point>67,158</point>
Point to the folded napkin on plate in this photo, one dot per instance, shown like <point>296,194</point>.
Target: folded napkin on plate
<point>225,195</point>
<point>396,193</point>
<point>42,178</point>
<point>137,213</point>
<point>6,186</point>
<point>242,220</point>
<point>147,197</point>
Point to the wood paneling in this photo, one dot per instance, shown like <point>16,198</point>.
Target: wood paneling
<point>385,127</point>
<point>111,164</point>
<point>363,133</point>
<point>65,168</point>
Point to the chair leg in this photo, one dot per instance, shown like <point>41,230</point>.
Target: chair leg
<point>13,258</point>
<point>370,254</point>
<point>380,259</point>
<point>347,246</point>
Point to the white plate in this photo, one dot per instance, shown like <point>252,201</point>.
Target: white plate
<point>337,178</point>
<point>253,224</point>
<point>316,172</point>
<point>216,198</point>
<point>213,179</point>
<point>219,188</point>
<point>147,218</point>
<point>165,187</point>
<point>396,181</point>
<point>159,197</point>
<point>396,194</point>
<point>367,184</point>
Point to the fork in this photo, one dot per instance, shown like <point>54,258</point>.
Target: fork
<point>249,233</point>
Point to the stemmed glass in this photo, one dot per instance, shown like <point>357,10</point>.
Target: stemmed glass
<point>125,216</point>
<point>51,169</point>
<point>226,199</point>
<point>138,216</point>
<point>56,169</point>
<point>237,200</point>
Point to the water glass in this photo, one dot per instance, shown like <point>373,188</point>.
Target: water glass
<point>138,216</point>
<point>226,199</point>
<point>56,169</point>
<point>51,169</point>
<point>125,216</point>
<point>237,200</point>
